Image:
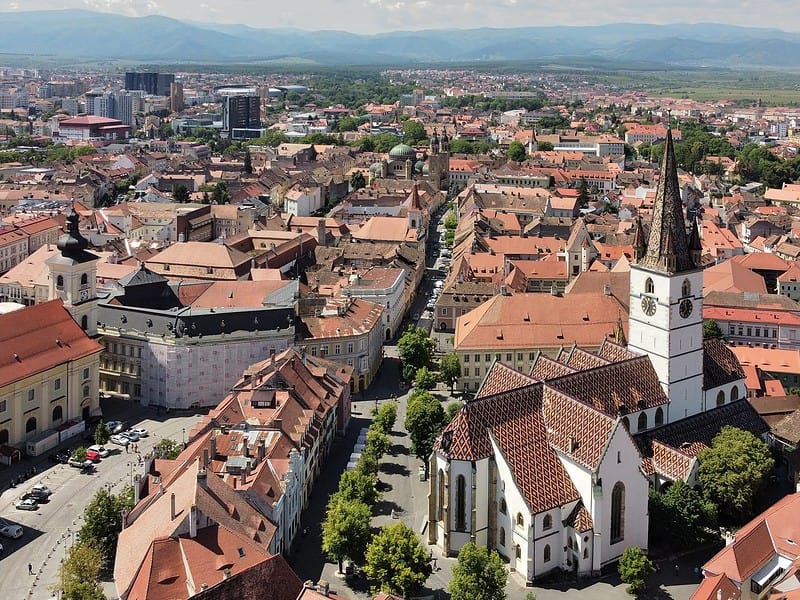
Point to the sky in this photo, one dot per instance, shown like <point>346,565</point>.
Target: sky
<point>374,16</point>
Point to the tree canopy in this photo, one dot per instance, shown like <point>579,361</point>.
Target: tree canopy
<point>479,575</point>
<point>680,515</point>
<point>450,369</point>
<point>79,573</point>
<point>396,560</point>
<point>733,471</point>
<point>357,180</point>
<point>359,486</point>
<point>416,349</point>
<point>634,569</point>
<point>425,379</point>
<point>425,419</point>
<point>516,151</point>
<point>103,522</point>
<point>167,448</point>
<point>346,530</point>
<point>384,417</point>
<point>711,329</point>
<point>413,132</point>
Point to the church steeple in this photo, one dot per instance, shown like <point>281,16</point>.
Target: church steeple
<point>668,246</point>
<point>72,242</point>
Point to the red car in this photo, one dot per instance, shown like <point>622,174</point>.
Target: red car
<point>93,455</point>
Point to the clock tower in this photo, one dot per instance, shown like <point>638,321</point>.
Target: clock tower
<point>666,296</point>
<point>73,276</point>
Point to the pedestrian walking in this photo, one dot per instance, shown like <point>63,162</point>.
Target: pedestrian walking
<point>30,569</point>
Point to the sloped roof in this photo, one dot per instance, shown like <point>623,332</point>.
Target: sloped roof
<point>720,365</point>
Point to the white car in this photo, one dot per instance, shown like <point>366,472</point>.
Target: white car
<point>119,440</point>
<point>131,435</point>
<point>11,531</point>
<point>140,431</point>
<point>41,490</point>
<point>101,451</point>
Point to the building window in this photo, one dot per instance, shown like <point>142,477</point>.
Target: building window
<point>649,288</point>
<point>547,523</point>
<point>337,349</point>
<point>84,322</point>
<point>86,371</point>
<point>461,503</point>
<point>547,553</point>
<point>642,425</point>
<point>60,282</point>
<point>720,398</point>
<point>734,394</point>
<point>440,506</point>
<point>166,267</point>
<point>520,520</point>
<point>519,356</point>
<point>686,288</point>
<point>659,416</point>
<point>488,358</point>
<point>86,391</point>
<point>502,536</point>
<point>324,350</point>
<point>443,311</point>
<point>349,347</point>
<point>30,425</point>
<point>84,281</point>
<point>57,383</point>
<point>466,371</point>
<point>477,358</point>
<point>618,513</point>
<point>466,358</point>
<point>31,395</point>
<point>586,552</point>
<point>2,406</point>
<point>313,350</point>
<point>4,436</point>
<point>503,507</point>
<point>58,414</point>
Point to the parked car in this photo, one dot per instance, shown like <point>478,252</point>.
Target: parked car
<point>27,504</point>
<point>79,464</point>
<point>117,426</point>
<point>103,452</point>
<point>92,455</point>
<point>140,431</point>
<point>62,456</point>
<point>130,435</point>
<point>119,440</point>
<point>42,490</point>
<point>11,531</point>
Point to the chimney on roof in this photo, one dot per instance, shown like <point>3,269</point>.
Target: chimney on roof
<point>172,509</point>
<point>324,588</point>
<point>213,444</point>
<point>607,289</point>
<point>202,477</point>
<point>262,450</point>
<point>245,449</point>
<point>573,443</point>
<point>205,458</point>
<point>193,521</point>
<point>226,573</point>
<point>321,232</point>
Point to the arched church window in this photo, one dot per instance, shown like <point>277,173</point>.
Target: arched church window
<point>547,522</point>
<point>503,507</point>
<point>649,288</point>
<point>502,536</point>
<point>547,553</point>
<point>659,416</point>
<point>686,288</point>
<point>720,398</point>
<point>440,507</point>
<point>735,394</point>
<point>642,425</point>
<point>84,280</point>
<point>520,520</point>
<point>461,503</point>
<point>618,513</point>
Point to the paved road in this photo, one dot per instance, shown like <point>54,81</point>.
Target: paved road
<point>51,529</point>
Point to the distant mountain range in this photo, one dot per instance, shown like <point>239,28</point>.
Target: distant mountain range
<point>85,34</point>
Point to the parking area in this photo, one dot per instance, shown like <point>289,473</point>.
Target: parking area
<point>51,529</point>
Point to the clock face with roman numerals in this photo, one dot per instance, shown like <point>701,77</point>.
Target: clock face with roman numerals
<point>649,305</point>
<point>685,308</point>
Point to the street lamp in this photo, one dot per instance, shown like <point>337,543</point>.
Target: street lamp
<point>130,470</point>
<point>183,436</point>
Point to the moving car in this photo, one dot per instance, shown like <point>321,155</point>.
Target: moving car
<point>27,504</point>
<point>103,452</point>
<point>11,531</point>
<point>117,426</point>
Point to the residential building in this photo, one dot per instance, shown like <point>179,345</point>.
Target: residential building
<point>385,287</point>
<point>155,84</point>
<point>200,260</point>
<point>89,127</point>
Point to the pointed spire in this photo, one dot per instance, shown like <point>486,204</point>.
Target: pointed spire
<point>619,333</point>
<point>695,245</point>
<point>668,245</point>
<point>639,242</point>
<point>415,203</point>
<point>72,242</point>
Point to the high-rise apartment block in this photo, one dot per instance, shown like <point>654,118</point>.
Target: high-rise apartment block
<point>241,111</point>
<point>156,84</point>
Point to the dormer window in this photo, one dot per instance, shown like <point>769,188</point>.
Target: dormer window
<point>649,288</point>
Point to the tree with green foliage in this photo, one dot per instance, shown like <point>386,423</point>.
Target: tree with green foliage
<point>384,142</point>
<point>413,132</point>
<point>366,144</point>
<point>346,124</point>
<point>79,453</point>
<point>712,330</point>
<point>378,443</point>
<point>356,485</point>
<point>634,569</point>
<point>583,193</point>
<point>516,151</point>
<point>680,515</point>
<point>102,522</point>
<point>396,561</point>
<point>425,379</point>
<point>450,369</point>
<point>101,434</point>
<point>367,464</point>
<point>545,146</point>
<point>479,574</point>
<point>346,530</point>
<point>180,193</point>
<point>450,221</point>
<point>221,195</point>
<point>451,410</point>
<point>415,348</point>
<point>425,420</point>
<point>167,448</point>
<point>248,161</point>
<point>385,416</point>
<point>733,471</point>
<point>79,574</point>
<point>357,181</point>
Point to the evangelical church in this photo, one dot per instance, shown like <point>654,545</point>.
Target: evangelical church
<point>552,468</point>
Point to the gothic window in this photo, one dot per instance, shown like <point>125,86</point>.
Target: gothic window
<point>618,513</point>
<point>60,282</point>
<point>686,288</point>
<point>586,552</point>
<point>58,413</point>
<point>84,280</point>
<point>30,425</point>
<point>626,423</point>
<point>734,394</point>
<point>461,503</point>
<point>547,522</point>
<point>720,398</point>
<point>440,507</point>
<point>520,520</point>
<point>517,551</point>
<point>503,507</point>
<point>649,288</point>
<point>547,553</point>
<point>659,416</point>
<point>642,421</point>
<point>502,536</point>
<point>84,322</point>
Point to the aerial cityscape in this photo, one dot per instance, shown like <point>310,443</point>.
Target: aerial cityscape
<point>371,303</point>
